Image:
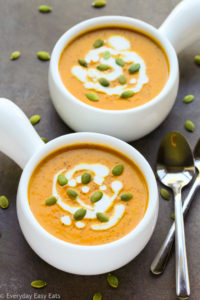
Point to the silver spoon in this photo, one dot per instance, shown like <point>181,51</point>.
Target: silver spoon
<point>160,261</point>
<point>175,169</point>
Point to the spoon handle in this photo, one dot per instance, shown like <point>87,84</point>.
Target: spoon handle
<point>160,261</point>
<point>182,276</point>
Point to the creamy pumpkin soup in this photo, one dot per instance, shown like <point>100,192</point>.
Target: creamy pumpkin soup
<point>87,194</point>
<point>114,68</point>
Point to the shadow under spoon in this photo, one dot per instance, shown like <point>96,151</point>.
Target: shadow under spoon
<point>175,169</point>
<point>160,261</point>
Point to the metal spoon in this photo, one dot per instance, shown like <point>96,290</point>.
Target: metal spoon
<point>160,261</point>
<point>175,169</point>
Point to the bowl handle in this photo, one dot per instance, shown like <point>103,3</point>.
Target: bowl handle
<point>18,138</point>
<point>182,25</point>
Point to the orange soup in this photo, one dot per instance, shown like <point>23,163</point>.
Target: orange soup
<point>114,68</point>
<point>87,194</point>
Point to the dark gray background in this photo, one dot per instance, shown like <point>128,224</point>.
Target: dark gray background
<point>24,81</point>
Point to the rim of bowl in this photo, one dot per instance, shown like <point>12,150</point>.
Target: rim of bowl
<point>99,139</point>
<point>101,22</point>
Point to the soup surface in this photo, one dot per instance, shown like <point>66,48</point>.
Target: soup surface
<point>102,195</point>
<point>114,68</point>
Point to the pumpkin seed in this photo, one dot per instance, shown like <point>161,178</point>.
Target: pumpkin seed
<point>122,79</point>
<point>120,62</point>
<point>43,55</point>
<point>127,94</point>
<point>165,194</point>
<point>92,96</point>
<point>44,139</point>
<point>82,62</point>
<point>102,217</point>
<point>97,296</point>
<point>62,180</point>
<point>189,125</point>
<point>102,67</point>
<point>106,55</point>
<point>126,196</point>
<point>134,68</point>
<point>15,55</point>
<point>51,201</point>
<point>38,284</point>
<point>188,98</point>
<point>72,193</point>
<point>45,9</point>
<point>112,280</point>
<point>98,43</point>
<point>86,178</point>
<point>96,196</point>
<point>4,203</point>
<point>99,3</point>
<point>197,60</point>
<point>173,216</point>
<point>35,119</point>
<point>117,170</point>
<point>104,82</point>
<point>80,214</point>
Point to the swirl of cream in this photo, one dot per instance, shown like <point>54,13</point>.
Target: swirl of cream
<point>119,46</point>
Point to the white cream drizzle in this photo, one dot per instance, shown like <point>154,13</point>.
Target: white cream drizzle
<point>85,189</point>
<point>114,219</point>
<point>66,220</point>
<point>120,47</point>
<point>103,187</point>
<point>100,171</point>
<point>80,224</point>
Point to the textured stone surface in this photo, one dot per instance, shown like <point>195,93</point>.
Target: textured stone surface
<point>24,81</point>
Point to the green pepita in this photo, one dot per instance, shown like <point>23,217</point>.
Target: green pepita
<point>172,216</point>
<point>104,82</point>
<point>126,196</point>
<point>96,196</point>
<point>51,201</point>
<point>134,68</point>
<point>45,9</point>
<point>97,296</point>
<point>82,62</point>
<point>188,98</point>
<point>102,67</point>
<point>86,178</point>
<point>127,94</point>
<point>38,284</point>
<point>102,217</point>
<point>165,194</point>
<point>43,55</point>
<point>92,96</point>
<point>197,60</point>
<point>72,193</point>
<point>35,119</point>
<point>122,79</point>
<point>15,55</point>
<point>99,3</point>
<point>98,43</point>
<point>106,55</point>
<point>79,214</point>
<point>117,170</point>
<point>120,62</point>
<point>44,139</point>
<point>189,125</point>
<point>62,180</point>
<point>4,203</point>
<point>112,280</point>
